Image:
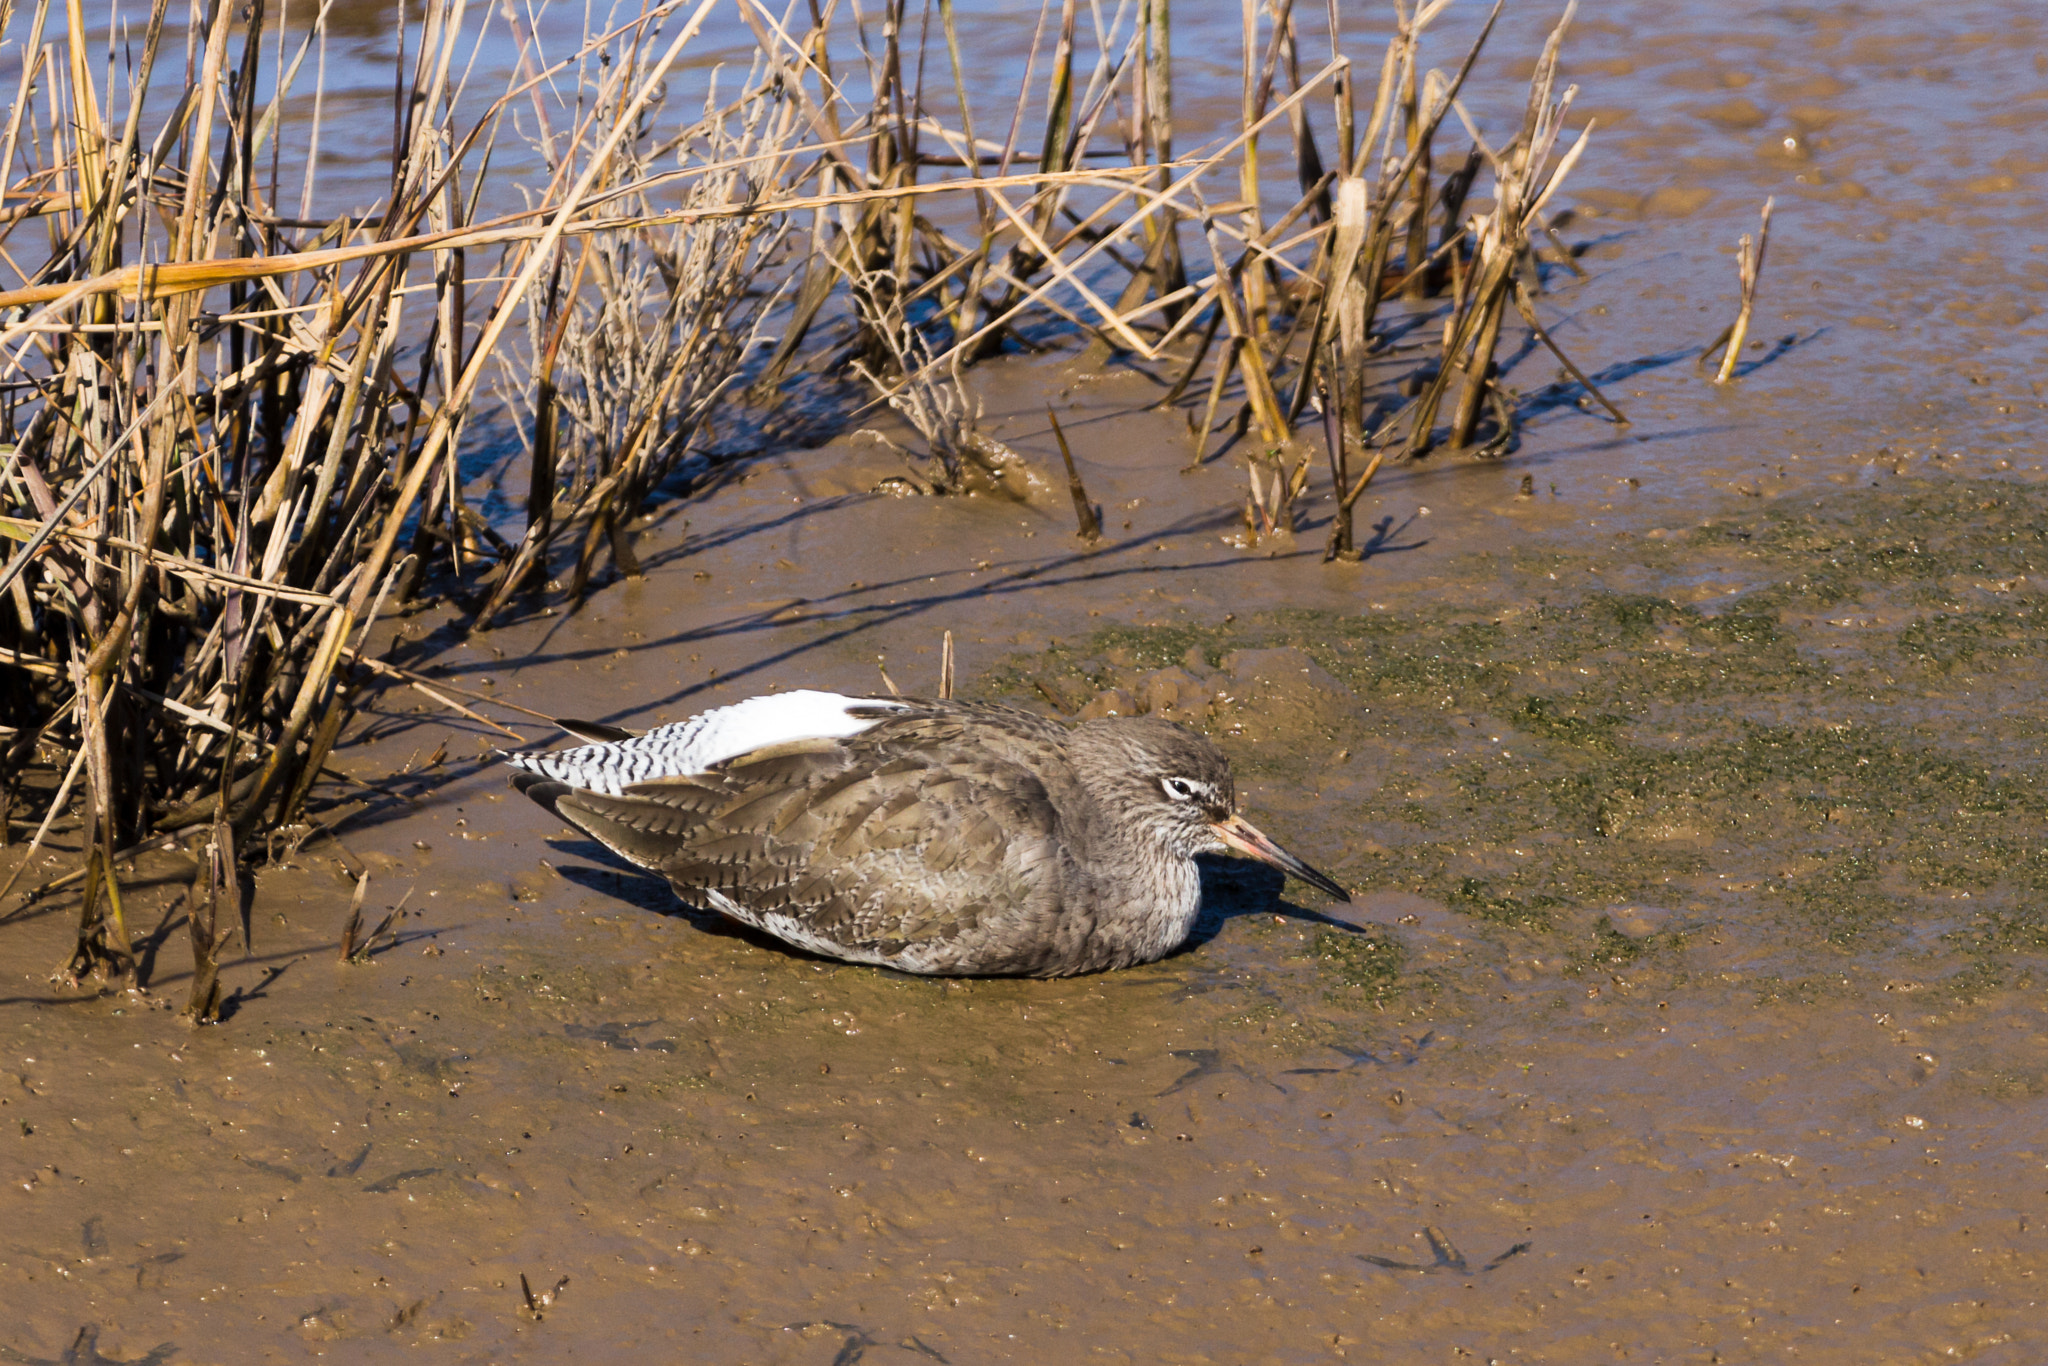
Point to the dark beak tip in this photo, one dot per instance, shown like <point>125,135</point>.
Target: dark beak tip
<point>1330,886</point>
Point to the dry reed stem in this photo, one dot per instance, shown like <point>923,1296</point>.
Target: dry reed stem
<point>1749,269</point>
<point>160,282</point>
<point>1087,517</point>
<point>1525,179</point>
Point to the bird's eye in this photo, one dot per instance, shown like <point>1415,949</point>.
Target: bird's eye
<point>1178,789</point>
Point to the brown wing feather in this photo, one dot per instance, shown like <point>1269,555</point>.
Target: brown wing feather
<point>890,859</point>
<point>906,835</point>
<point>644,829</point>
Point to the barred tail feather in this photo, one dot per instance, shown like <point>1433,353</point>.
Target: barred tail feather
<point>695,745</point>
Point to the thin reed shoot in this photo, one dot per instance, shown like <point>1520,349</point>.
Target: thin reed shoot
<point>1749,268</point>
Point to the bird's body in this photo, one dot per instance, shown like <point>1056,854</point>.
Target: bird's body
<point>927,836</point>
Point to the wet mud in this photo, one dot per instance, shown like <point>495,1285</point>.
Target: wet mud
<point>1690,775</point>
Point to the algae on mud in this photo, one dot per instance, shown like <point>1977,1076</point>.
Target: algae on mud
<point>1665,971</point>
<point>1646,750</point>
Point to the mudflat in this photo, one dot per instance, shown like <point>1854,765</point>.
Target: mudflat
<point>1689,775</point>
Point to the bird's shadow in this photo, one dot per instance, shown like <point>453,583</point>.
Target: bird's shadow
<point>1231,887</point>
<point>609,875</point>
<point>1234,887</point>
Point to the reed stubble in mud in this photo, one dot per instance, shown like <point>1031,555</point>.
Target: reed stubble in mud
<point>1528,172</point>
<point>1087,516</point>
<point>233,416</point>
<point>1344,489</point>
<point>357,945</point>
<point>650,328</point>
<point>222,458</point>
<point>1749,268</point>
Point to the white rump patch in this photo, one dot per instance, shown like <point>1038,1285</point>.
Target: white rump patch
<point>694,745</point>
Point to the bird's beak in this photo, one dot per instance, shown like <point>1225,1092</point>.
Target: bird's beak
<point>1246,838</point>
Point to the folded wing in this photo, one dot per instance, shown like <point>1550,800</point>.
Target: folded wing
<point>887,846</point>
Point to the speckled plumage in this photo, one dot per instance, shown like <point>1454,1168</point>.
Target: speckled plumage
<point>932,837</point>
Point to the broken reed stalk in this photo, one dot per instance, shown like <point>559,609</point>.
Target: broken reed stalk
<point>352,928</point>
<point>1343,490</point>
<point>1749,267</point>
<point>946,668</point>
<point>1415,281</point>
<point>234,433</point>
<point>218,878</point>
<point>1087,517</point>
<point>358,947</point>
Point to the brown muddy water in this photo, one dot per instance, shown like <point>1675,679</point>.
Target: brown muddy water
<point>1690,1009</point>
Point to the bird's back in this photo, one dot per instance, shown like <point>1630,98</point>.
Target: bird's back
<point>934,837</point>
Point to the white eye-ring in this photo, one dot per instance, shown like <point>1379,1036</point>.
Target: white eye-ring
<point>1178,789</point>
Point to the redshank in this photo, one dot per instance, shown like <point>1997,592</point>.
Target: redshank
<point>950,838</point>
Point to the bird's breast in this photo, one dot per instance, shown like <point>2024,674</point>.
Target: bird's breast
<point>1141,912</point>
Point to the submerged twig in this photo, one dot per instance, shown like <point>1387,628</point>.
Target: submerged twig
<point>536,1305</point>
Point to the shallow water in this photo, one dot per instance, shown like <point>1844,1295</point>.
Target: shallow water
<point>1696,821</point>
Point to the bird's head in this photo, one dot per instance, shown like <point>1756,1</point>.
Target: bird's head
<point>1174,787</point>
